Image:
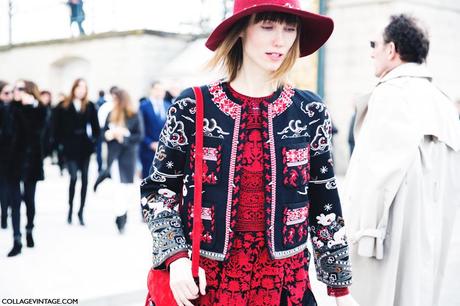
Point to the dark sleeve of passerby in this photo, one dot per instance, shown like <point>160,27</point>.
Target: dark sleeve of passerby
<point>136,130</point>
<point>34,118</point>
<point>94,122</point>
<point>48,133</point>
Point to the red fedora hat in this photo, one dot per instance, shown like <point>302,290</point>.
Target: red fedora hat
<point>314,30</point>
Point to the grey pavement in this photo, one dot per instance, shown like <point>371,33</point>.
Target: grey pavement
<point>97,265</point>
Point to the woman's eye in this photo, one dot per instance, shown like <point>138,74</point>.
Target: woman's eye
<point>290,29</point>
<point>267,27</point>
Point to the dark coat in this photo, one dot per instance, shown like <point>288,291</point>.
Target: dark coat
<point>77,132</point>
<point>126,152</point>
<point>35,124</point>
<point>12,140</point>
<point>301,197</point>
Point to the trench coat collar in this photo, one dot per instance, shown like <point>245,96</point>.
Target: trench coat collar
<point>407,70</point>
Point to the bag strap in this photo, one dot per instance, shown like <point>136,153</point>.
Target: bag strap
<point>198,178</point>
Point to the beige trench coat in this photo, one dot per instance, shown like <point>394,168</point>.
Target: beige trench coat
<point>402,189</point>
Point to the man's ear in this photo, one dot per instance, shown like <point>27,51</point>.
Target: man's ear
<point>391,50</point>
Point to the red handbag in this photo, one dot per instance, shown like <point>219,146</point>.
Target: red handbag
<point>159,291</point>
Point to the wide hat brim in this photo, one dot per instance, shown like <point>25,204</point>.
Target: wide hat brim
<point>315,29</point>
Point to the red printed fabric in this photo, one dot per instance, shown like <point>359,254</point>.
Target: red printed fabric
<point>250,215</point>
<point>251,277</point>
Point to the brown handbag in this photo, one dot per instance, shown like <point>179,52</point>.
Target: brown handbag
<point>159,291</point>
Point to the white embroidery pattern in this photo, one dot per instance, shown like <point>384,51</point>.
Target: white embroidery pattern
<point>294,130</point>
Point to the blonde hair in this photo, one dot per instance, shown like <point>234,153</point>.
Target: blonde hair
<point>229,54</point>
<point>123,107</point>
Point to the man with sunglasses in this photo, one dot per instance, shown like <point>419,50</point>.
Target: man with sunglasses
<point>401,187</point>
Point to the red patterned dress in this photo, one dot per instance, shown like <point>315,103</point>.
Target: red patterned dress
<point>250,276</point>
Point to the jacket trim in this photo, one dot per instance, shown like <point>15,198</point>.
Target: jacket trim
<point>273,175</point>
<point>221,100</point>
<point>231,185</point>
<point>290,252</point>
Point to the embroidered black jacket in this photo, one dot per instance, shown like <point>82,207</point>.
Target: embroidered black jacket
<point>300,195</point>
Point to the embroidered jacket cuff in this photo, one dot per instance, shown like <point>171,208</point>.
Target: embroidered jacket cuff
<point>181,254</point>
<point>337,292</point>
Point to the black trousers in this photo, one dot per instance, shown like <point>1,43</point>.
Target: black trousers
<point>13,194</point>
<point>75,166</point>
<point>3,200</point>
<point>29,198</point>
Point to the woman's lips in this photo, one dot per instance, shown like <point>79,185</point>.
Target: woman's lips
<point>274,56</point>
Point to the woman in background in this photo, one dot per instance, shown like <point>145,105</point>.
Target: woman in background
<point>123,131</point>
<point>76,128</point>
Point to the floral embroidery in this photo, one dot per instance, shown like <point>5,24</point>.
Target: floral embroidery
<point>296,215</point>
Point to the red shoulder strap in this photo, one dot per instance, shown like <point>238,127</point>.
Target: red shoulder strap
<point>198,178</point>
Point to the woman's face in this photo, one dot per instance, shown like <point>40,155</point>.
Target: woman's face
<point>19,89</point>
<point>267,43</point>
<point>80,90</point>
<point>6,95</point>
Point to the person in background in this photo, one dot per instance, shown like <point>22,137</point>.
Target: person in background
<point>57,148</point>
<point>6,97</point>
<point>77,14</point>
<point>35,115</point>
<point>402,185</point>
<point>30,117</point>
<point>103,111</point>
<point>77,129</point>
<point>122,131</point>
<point>100,101</point>
<point>153,110</point>
<point>46,99</point>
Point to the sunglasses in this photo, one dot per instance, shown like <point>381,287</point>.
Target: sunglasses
<point>372,44</point>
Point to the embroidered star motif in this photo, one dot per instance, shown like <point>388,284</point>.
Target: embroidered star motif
<point>169,165</point>
<point>328,207</point>
<point>323,169</point>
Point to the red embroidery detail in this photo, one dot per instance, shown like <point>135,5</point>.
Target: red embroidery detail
<point>211,166</point>
<point>283,101</point>
<point>219,98</point>
<point>206,213</point>
<point>297,157</point>
<point>210,154</point>
<point>296,167</point>
<point>243,280</point>
<point>296,215</point>
<point>295,225</point>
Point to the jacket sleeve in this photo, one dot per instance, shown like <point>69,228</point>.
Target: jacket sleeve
<point>161,190</point>
<point>96,128</point>
<point>136,131</point>
<point>325,214</point>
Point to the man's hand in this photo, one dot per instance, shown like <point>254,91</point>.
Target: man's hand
<point>182,284</point>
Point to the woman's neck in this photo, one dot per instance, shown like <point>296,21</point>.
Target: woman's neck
<point>253,83</point>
